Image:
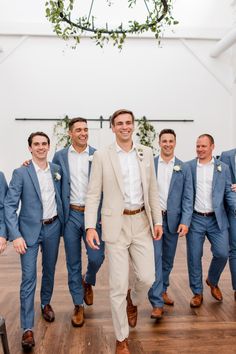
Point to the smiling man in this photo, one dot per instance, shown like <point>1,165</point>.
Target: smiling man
<point>75,162</point>
<point>131,217</point>
<point>39,225</point>
<point>212,189</point>
<point>176,198</point>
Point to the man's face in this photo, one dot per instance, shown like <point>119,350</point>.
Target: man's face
<point>79,134</point>
<point>167,144</point>
<point>204,149</point>
<point>123,127</point>
<point>39,147</point>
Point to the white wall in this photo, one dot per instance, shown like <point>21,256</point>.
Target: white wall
<point>42,77</point>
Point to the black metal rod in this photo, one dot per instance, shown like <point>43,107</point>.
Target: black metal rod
<point>101,119</point>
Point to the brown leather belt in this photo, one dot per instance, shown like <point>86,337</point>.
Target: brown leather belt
<point>49,221</point>
<point>133,212</point>
<point>80,208</point>
<point>211,213</point>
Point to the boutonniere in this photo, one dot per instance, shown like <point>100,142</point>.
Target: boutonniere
<point>177,168</point>
<point>140,154</point>
<point>219,168</point>
<point>57,176</point>
<point>90,158</point>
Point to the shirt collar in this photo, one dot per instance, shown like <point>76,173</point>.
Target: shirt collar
<point>72,149</point>
<point>119,149</point>
<point>172,161</point>
<point>206,164</point>
<point>37,168</point>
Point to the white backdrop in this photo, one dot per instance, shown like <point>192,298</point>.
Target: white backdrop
<point>42,77</point>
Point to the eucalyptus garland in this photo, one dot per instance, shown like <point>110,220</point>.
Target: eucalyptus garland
<point>60,14</point>
<point>146,133</point>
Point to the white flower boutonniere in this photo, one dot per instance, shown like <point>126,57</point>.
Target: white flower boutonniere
<point>218,168</point>
<point>177,168</point>
<point>90,158</point>
<point>140,154</point>
<point>57,176</point>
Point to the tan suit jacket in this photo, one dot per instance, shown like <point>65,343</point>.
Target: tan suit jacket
<point>106,178</point>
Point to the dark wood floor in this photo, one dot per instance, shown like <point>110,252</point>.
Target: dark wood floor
<point>210,329</point>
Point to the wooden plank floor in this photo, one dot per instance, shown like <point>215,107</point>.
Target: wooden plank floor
<point>210,329</point>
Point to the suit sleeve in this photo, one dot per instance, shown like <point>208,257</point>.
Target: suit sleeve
<point>154,198</point>
<point>11,205</point>
<point>187,197</point>
<point>3,191</point>
<point>94,192</point>
<point>230,196</point>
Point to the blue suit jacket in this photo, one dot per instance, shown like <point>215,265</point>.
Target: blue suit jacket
<point>3,192</point>
<point>221,191</point>
<point>228,157</point>
<point>24,188</point>
<point>61,159</point>
<point>180,196</point>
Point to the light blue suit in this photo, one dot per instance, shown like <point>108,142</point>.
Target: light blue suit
<point>3,192</point>
<point>179,211</point>
<point>228,157</point>
<point>74,232</point>
<point>214,227</point>
<point>24,187</point>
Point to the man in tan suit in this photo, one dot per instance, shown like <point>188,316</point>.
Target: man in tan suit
<point>131,216</point>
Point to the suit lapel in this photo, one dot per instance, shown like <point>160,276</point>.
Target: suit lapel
<point>34,178</point>
<point>91,152</point>
<point>173,177</point>
<point>65,160</point>
<point>232,162</point>
<point>141,163</point>
<point>215,174</point>
<point>116,166</point>
<point>194,174</point>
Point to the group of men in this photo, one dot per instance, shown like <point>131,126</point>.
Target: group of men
<point>133,204</point>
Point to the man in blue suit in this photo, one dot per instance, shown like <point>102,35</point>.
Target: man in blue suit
<point>3,231</point>
<point>75,162</point>
<point>176,198</point>
<point>212,188</point>
<point>39,225</point>
<point>229,157</point>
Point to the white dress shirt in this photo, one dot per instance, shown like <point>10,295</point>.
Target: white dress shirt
<point>164,175</point>
<point>131,177</point>
<point>47,191</point>
<point>79,175</point>
<point>203,200</point>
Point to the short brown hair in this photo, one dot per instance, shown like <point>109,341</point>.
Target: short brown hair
<point>32,135</point>
<point>167,131</point>
<point>75,120</point>
<point>210,137</point>
<point>121,111</point>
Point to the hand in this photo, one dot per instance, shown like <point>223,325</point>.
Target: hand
<point>182,230</point>
<point>20,245</point>
<point>26,163</point>
<point>3,244</point>
<point>233,187</point>
<point>158,231</point>
<point>92,239</point>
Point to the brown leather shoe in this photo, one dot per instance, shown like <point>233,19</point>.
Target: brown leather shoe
<point>88,293</point>
<point>132,311</point>
<point>215,291</point>
<point>122,347</point>
<point>196,300</point>
<point>77,318</point>
<point>167,300</point>
<point>27,341</point>
<point>48,313</point>
<point>157,313</point>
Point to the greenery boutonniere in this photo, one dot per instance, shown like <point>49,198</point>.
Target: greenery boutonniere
<point>177,168</point>
<point>57,176</point>
<point>140,154</point>
<point>219,168</point>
